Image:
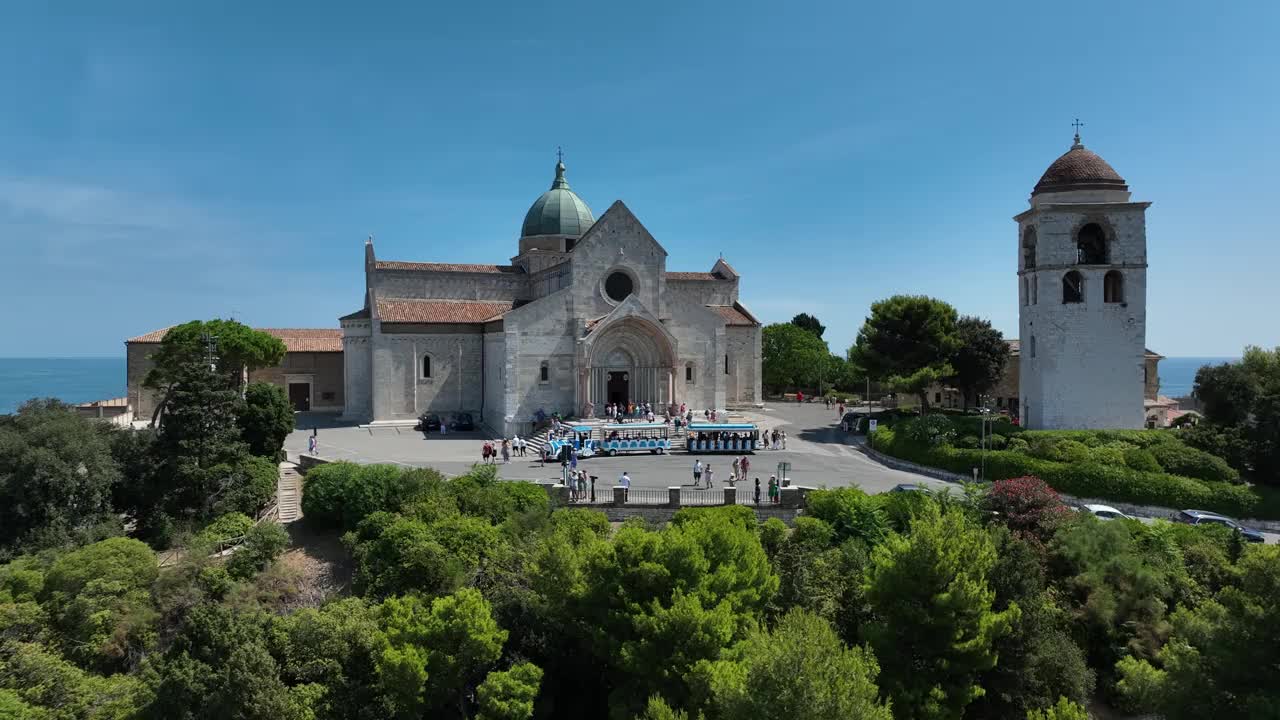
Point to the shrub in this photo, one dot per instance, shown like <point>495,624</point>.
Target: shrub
<point>262,545</point>
<point>930,430</point>
<point>1181,459</point>
<point>1141,459</point>
<point>1017,444</point>
<point>997,442</point>
<point>967,441</point>
<point>1111,453</point>
<point>342,494</point>
<point>252,483</point>
<point>1026,504</point>
<point>324,492</point>
<point>851,512</point>
<point>225,527</point>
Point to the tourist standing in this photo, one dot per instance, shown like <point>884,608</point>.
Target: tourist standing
<point>697,472</point>
<point>756,495</point>
<point>733,472</point>
<point>773,489</point>
<point>783,434</point>
<point>625,482</point>
<point>506,452</point>
<point>745,465</point>
<point>710,476</point>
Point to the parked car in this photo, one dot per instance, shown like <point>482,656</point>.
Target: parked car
<point>1201,517</point>
<point>910,487</point>
<point>851,421</point>
<point>429,422</point>
<point>463,421</point>
<point>1104,512</point>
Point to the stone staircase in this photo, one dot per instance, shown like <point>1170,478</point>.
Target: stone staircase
<point>289,493</point>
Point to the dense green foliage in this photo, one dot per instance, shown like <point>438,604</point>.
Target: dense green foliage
<point>265,418</point>
<point>980,359</point>
<point>1105,464</point>
<point>805,321</point>
<point>234,348</point>
<point>791,357</point>
<point>1242,413</point>
<point>908,341</point>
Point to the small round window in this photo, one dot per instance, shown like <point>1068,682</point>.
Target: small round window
<point>618,286</point>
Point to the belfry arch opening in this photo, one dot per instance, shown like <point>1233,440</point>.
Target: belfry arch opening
<point>1113,287</point>
<point>1072,288</point>
<point>1029,249</point>
<point>1091,245</point>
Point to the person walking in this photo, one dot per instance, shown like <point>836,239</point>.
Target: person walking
<point>783,433</point>
<point>625,482</point>
<point>745,465</point>
<point>506,452</point>
<point>733,471</point>
<point>756,495</point>
<point>593,487</point>
<point>710,476</point>
<point>311,444</point>
<point>697,472</point>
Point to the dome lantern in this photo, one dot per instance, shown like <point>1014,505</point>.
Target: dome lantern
<point>558,211</point>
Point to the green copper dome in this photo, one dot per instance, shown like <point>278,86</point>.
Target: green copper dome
<point>558,211</point>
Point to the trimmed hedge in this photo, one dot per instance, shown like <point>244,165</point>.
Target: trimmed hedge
<point>1083,479</point>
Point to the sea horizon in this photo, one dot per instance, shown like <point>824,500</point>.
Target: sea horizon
<point>86,378</point>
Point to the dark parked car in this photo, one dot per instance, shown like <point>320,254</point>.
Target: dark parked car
<point>910,487</point>
<point>429,422</point>
<point>1200,517</point>
<point>463,421</point>
<point>851,421</point>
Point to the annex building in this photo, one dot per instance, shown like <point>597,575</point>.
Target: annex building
<point>584,314</point>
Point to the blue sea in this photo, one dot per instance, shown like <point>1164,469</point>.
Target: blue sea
<point>72,380</point>
<point>1178,374</point>
<point>77,380</point>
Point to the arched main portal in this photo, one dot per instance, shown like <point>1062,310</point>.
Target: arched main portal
<point>631,360</point>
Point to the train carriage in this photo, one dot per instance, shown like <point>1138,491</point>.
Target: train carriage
<point>704,437</point>
<point>634,437</point>
<point>576,436</point>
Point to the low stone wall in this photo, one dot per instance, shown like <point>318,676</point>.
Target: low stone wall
<point>657,515</point>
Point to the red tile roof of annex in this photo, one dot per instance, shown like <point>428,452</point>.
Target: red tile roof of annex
<point>295,339</point>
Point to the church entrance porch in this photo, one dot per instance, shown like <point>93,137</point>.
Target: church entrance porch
<point>617,387</point>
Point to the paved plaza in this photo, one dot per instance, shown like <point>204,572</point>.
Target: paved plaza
<point>819,453</point>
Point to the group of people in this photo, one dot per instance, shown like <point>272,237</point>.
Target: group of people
<point>491,450</point>
<point>739,469</point>
<point>775,491</point>
<point>774,439</point>
<point>621,412</point>
<point>582,487</point>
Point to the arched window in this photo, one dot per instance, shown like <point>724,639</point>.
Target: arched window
<point>1035,291</point>
<point>1072,288</point>
<point>426,366</point>
<point>1033,346</point>
<point>726,364</point>
<point>688,373</point>
<point>1113,287</point>
<point>1091,245</point>
<point>1029,249</point>
<point>1026,294</point>
<point>544,372</point>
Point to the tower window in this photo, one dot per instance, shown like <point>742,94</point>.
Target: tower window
<point>1091,245</point>
<point>1033,346</point>
<point>1026,293</point>
<point>544,372</point>
<point>1113,287</point>
<point>618,286</point>
<point>1035,291</point>
<point>1029,249</point>
<point>426,366</point>
<point>688,373</point>
<point>726,364</point>
<point>1072,288</point>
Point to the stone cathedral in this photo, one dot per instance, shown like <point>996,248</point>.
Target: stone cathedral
<point>585,314</point>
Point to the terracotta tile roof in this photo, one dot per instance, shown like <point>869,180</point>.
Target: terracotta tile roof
<point>694,276</point>
<point>446,267</point>
<point>295,339</point>
<point>441,311</point>
<point>733,314</point>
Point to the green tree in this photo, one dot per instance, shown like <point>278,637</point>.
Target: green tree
<point>935,627</point>
<point>57,476</point>
<point>908,341</point>
<point>1226,392</point>
<point>657,709</point>
<point>800,669</point>
<point>234,348</point>
<point>42,685</point>
<point>1222,654</point>
<point>509,694</point>
<point>791,357</point>
<point>263,543</point>
<point>805,321</point>
<point>1064,709</point>
<point>337,647</point>
<point>99,600</point>
<point>437,656</point>
<point>980,359</point>
<point>265,418</point>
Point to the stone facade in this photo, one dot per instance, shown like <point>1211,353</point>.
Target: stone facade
<point>575,322</point>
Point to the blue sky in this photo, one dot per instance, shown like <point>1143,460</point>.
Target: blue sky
<point>160,164</point>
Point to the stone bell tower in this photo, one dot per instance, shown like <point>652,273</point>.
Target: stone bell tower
<point>1082,285</point>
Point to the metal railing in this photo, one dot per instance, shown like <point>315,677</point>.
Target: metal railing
<point>648,496</point>
<point>714,496</point>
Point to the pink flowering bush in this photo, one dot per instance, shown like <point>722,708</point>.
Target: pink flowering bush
<point>1027,505</point>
